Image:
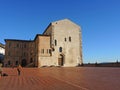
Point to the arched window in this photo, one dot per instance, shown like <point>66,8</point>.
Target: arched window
<point>60,49</point>
<point>55,42</point>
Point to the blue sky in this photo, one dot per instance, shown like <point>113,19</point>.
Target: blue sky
<point>99,19</point>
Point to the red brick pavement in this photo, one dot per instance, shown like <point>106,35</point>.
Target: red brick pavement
<point>55,78</point>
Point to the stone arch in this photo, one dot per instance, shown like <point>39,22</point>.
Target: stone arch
<point>23,63</point>
<point>31,60</point>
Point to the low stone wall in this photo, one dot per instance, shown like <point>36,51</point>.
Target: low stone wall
<point>117,64</point>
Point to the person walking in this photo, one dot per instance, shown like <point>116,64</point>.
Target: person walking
<point>1,69</point>
<point>19,69</point>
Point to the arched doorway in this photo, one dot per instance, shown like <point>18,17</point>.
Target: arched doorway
<point>61,60</point>
<point>31,60</point>
<point>24,63</point>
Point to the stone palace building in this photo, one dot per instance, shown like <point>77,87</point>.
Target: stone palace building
<point>59,45</point>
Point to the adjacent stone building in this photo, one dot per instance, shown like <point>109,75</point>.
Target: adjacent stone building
<point>18,52</point>
<point>59,45</point>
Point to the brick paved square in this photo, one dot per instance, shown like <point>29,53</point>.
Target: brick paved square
<point>55,78</point>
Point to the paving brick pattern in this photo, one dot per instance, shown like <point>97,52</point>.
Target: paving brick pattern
<point>55,78</point>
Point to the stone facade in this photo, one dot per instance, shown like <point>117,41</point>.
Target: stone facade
<point>59,45</point>
<point>43,50</point>
<point>18,52</point>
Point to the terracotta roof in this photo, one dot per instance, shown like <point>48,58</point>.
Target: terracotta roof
<point>18,40</point>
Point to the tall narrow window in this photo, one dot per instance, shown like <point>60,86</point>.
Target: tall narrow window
<point>60,49</point>
<point>65,39</point>
<point>49,51</point>
<point>70,39</point>
<point>42,51</point>
<point>55,42</point>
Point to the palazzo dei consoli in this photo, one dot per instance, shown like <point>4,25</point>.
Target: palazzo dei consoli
<point>59,45</point>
